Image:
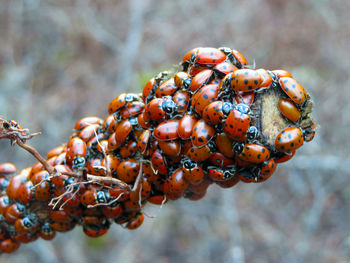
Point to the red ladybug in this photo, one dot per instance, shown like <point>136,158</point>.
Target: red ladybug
<point>289,139</point>
<point>15,211</point>
<point>122,131</point>
<point>224,144</point>
<point>204,97</point>
<point>87,121</point>
<point>76,152</point>
<point>131,109</point>
<point>167,88</point>
<point>221,174</point>
<point>237,123</point>
<point>293,89</point>
<point>199,154</point>
<point>170,148</point>
<point>192,172</point>
<point>224,68</point>
<point>253,153</point>
<point>201,79</point>
<point>7,168</point>
<point>135,222</point>
<point>148,89</point>
<point>245,97</point>
<point>181,99</point>
<point>128,170</point>
<point>235,57</point>
<point>158,108</point>
<point>167,130</point>
<point>9,245</point>
<point>186,125</point>
<point>202,133</point>
<point>182,80</point>
<point>120,101</point>
<point>25,192</point>
<point>217,111</point>
<point>114,210</point>
<point>289,110</point>
<point>159,163</point>
<point>204,56</point>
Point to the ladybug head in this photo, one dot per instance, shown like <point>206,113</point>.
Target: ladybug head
<point>226,50</point>
<point>238,147</point>
<point>169,107</point>
<point>243,108</point>
<point>252,133</point>
<point>189,164</point>
<point>101,197</point>
<point>227,107</point>
<point>78,163</point>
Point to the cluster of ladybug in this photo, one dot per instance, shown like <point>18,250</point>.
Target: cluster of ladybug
<point>185,132</point>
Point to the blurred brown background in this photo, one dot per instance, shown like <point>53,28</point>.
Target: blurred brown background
<point>63,60</point>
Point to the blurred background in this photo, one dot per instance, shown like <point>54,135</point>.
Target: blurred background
<point>63,60</point>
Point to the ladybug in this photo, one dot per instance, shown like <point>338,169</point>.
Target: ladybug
<point>204,97</point>
<point>7,168</point>
<point>199,154</point>
<point>56,151</point>
<point>284,157</point>
<point>170,148</point>
<point>175,183</point>
<point>293,89</point>
<point>167,88</point>
<point>245,80</point>
<point>235,57</point>
<point>131,109</point>
<point>15,211</point>
<point>42,191</point>
<point>142,120</point>
<point>119,193</point>
<point>167,130</point>
<point>159,163</point>
<point>120,101</point>
<point>128,170</point>
<point>128,150</point>
<point>266,78</point>
<point>149,88</point>
<point>182,80</point>
<point>135,222</point>
<point>142,192</point>
<point>224,145</point>
<point>158,108</point>
<point>193,196</point>
<point>122,131</point>
<point>253,153</point>
<point>217,111</point>
<point>221,174</point>
<point>186,125</point>
<point>89,132</point>
<point>192,172</point>
<point>281,73</point>
<point>218,159</point>
<point>25,192</point>
<point>228,183</point>
<point>77,150</point>
<point>289,110</point>
<point>150,174</point>
<point>182,99</point>
<point>267,169</point>
<point>109,124</point>
<point>248,175</point>
<point>9,245</point>
<point>87,121</point>
<point>157,199</point>
<point>224,68</point>
<point>202,133</point>
<point>201,79</point>
<point>237,123</point>
<point>62,227</point>
<point>113,210</point>
<point>204,56</point>
<point>245,97</point>
<point>27,224</point>
<point>60,216</point>
<point>143,141</point>
<point>47,232</point>
<point>16,182</point>
<point>289,139</point>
